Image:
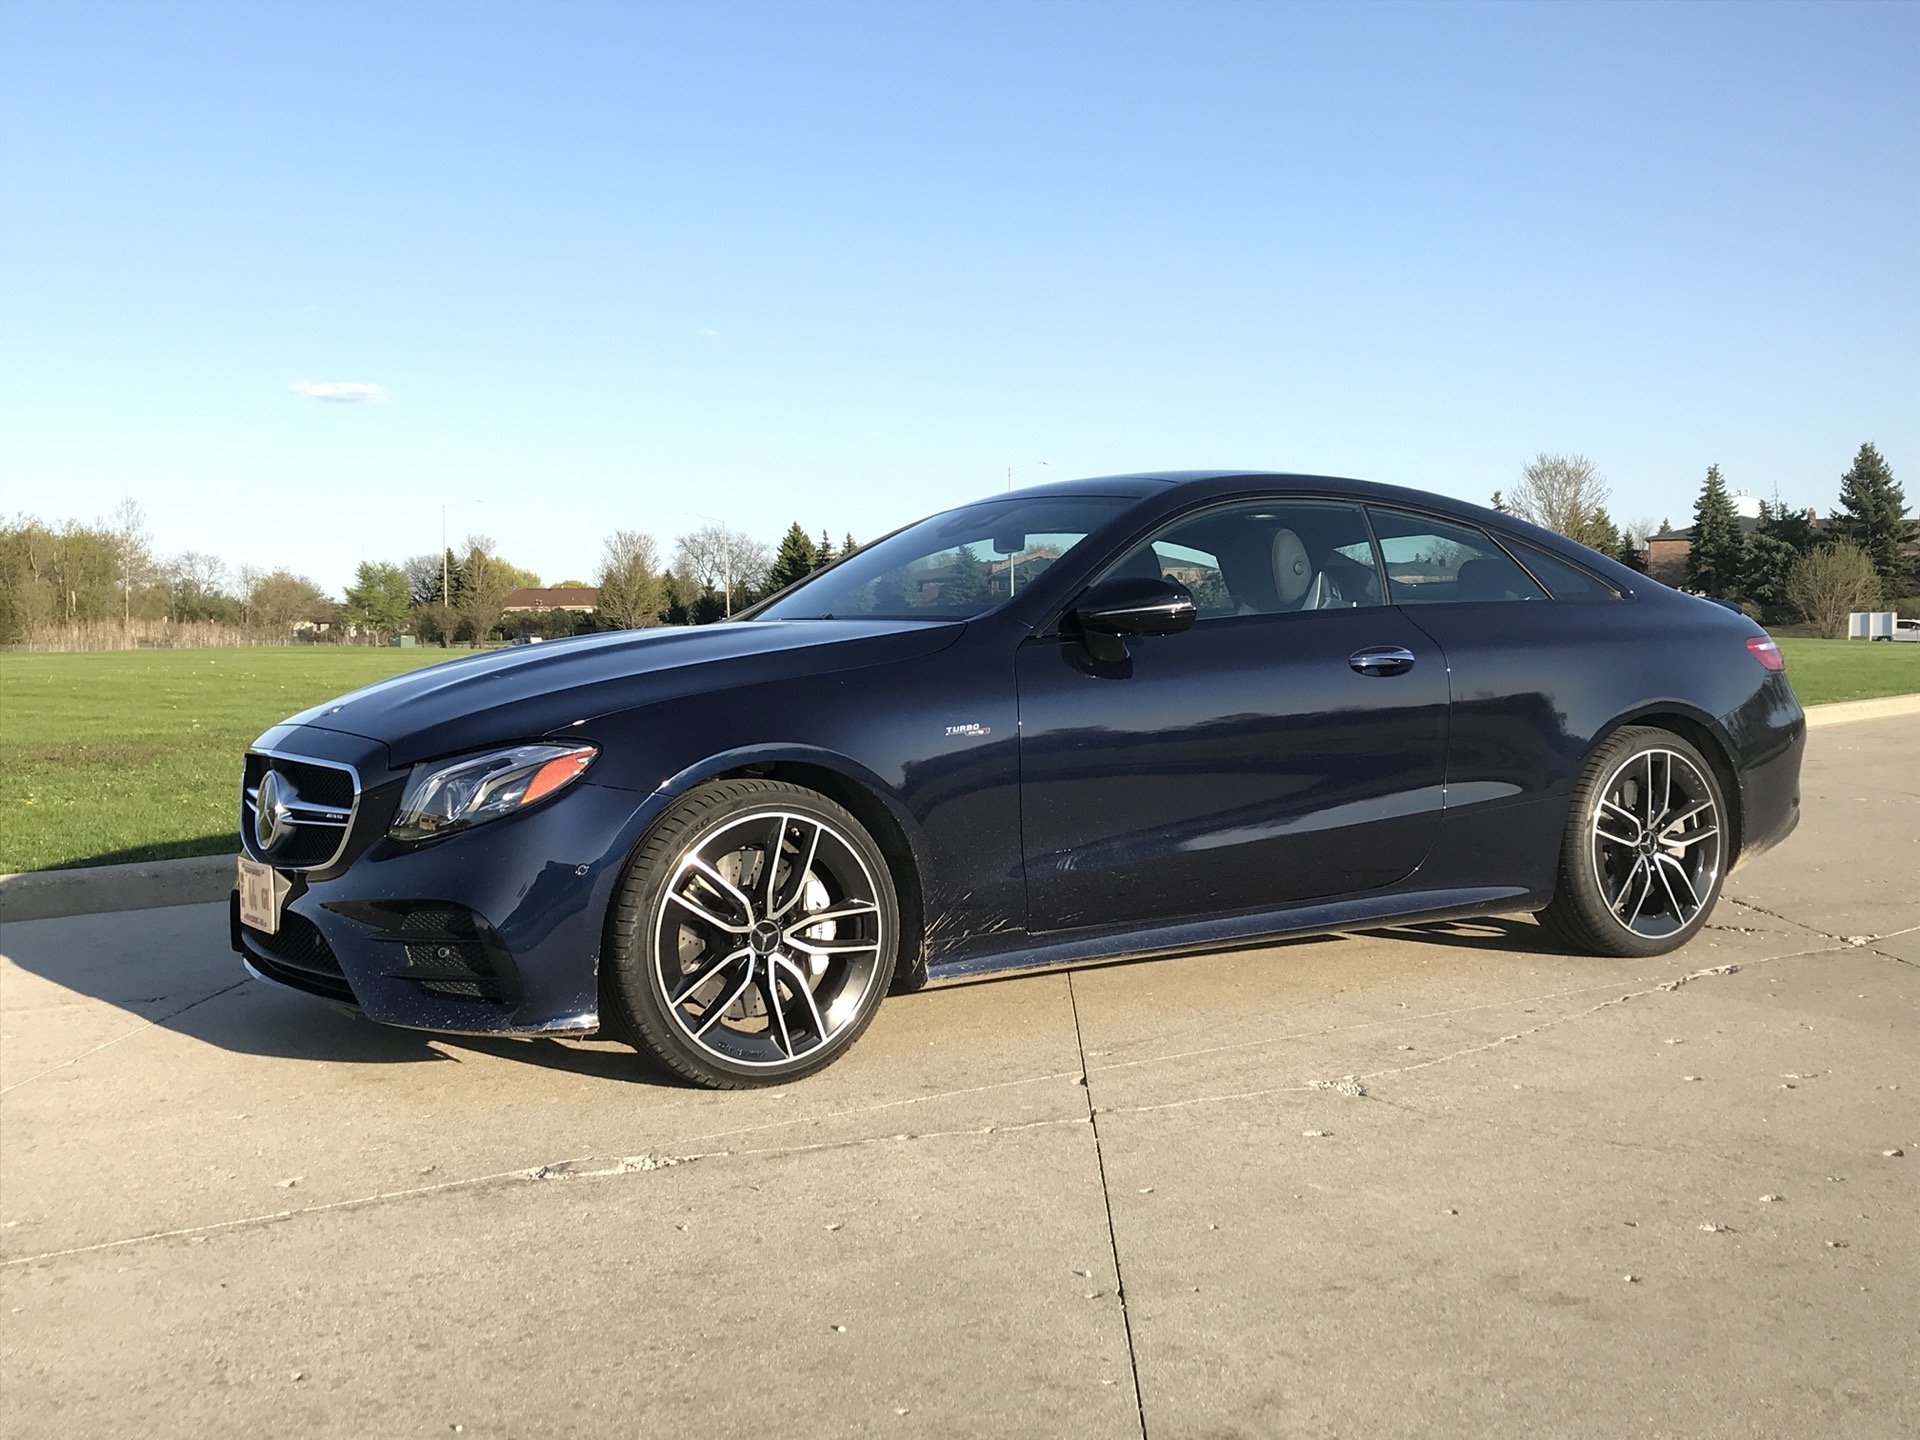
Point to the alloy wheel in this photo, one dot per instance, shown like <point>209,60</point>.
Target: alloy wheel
<point>767,938</point>
<point>1656,843</point>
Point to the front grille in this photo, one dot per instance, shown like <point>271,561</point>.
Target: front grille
<point>298,955</point>
<point>450,952</point>
<point>314,814</point>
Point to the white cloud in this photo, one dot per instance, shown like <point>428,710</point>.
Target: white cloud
<point>706,332</point>
<point>340,392</point>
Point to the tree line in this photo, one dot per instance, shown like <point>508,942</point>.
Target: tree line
<point>1791,566</point>
<point>101,585</point>
<point>83,585</point>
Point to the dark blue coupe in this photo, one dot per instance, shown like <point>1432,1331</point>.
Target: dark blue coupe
<point>1125,716</point>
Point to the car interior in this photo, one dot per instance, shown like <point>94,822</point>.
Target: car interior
<point>1264,560</point>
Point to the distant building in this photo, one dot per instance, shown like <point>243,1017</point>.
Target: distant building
<point>581,600</point>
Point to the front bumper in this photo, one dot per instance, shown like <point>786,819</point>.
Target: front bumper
<point>492,930</point>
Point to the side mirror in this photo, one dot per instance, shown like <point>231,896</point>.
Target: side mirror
<point>1128,606</point>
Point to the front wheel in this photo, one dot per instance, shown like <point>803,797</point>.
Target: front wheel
<point>753,936</point>
<point>1645,847</point>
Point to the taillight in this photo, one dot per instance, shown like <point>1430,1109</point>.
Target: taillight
<point>1767,652</point>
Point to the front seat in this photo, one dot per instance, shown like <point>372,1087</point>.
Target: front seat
<point>1294,577</point>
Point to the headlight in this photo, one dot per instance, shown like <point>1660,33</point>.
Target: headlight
<point>448,795</point>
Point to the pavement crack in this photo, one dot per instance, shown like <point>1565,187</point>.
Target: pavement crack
<point>127,1035</point>
<point>579,1168</point>
<point>1732,899</point>
<point>272,1217</point>
<point>1106,1198</point>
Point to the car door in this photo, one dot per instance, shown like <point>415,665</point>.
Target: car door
<point>1290,746</point>
<point>1529,670</point>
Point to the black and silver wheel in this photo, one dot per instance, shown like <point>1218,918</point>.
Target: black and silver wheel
<point>1645,847</point>
<point>753,937</point>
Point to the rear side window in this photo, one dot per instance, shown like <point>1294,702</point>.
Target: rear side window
<point>1433,561</point>
<point>1564,581</point>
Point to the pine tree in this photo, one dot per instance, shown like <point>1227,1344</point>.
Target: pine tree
<point>1873,516</point>
<point>794,560</point>
<point>1714,558</point>
<point>967,587</point>
<point>847,547</point>
<point>1600,533</point>
<point>1773,550</point>
<point>823,554</point>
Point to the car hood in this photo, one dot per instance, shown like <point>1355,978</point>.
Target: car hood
<point>533,690</point>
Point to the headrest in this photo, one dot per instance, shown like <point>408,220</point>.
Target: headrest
<point>1481,579</point>
<point>1292,571</point>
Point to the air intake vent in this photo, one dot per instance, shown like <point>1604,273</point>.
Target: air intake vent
<point>298,956</point>
<point>449,951</point>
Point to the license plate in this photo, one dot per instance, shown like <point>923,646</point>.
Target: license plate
<point>262,890</point>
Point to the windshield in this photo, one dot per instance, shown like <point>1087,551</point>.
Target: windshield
<point>953,566</point>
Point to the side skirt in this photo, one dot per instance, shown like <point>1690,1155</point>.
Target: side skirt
<point>1240,930</point>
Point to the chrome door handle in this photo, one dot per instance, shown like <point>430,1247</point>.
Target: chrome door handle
<point>1382,660</point>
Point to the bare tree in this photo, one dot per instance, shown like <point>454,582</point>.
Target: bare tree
<point>629,579</point>
<point>1564,493</point>
<point>128,524</point>
<point>1637,531</point>
<point>723,560</point>
<point>196,583</point>
<point>1830,584</point>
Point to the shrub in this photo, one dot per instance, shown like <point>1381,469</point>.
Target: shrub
<point>1832,583</point>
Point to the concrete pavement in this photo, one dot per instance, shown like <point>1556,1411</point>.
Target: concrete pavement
<point>1432,1180</point>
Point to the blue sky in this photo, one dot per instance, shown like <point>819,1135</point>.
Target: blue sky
<point>630,265</point>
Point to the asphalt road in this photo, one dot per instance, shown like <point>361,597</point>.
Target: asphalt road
<point>1427,1181</point>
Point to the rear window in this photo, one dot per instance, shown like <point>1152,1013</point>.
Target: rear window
<point>1431,561</point>
<point>1564,580</point>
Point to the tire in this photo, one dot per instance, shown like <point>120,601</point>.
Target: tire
<point>1644,851</point>
<point>733,973</point>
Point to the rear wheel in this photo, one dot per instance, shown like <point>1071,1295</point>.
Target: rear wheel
<point>753,936</point>
<point>1644,852</point>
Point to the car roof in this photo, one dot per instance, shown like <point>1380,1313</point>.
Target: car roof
<point>1208,484</point>
<point>1159,482</point>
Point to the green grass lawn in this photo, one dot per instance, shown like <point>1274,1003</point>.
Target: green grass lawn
<point>135,754</point>
<point>1823,671</point>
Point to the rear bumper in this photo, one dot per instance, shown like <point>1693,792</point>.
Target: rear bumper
<point>1769,734</point>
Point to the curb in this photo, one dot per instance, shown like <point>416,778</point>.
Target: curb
<point>147,885</point>
<point>153,884</point>
<point>1880,708</point>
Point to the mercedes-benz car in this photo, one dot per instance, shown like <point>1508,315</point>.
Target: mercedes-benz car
<point>1115,717</point>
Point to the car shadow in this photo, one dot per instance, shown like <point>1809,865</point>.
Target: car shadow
<point>173,968</point>
<point>1501,932</point>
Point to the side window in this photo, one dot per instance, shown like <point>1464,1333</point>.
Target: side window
<point>1433,561</point>
<point>1267,557</point>
<point>1563,579</point>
